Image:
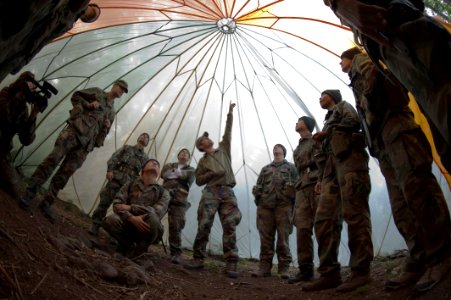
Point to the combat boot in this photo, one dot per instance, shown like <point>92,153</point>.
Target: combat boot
<point>300,276</point>
<point>194,264</point>
<point>323,282</point>
<point>231,269</point>
<point>283,271</point>
<point>353,282</point>
<point>406,279</point>
<point>176,259</point>
<point>46,211</point>
<point>264,270</point>
<point>432,276</point>
<point>25,200</point>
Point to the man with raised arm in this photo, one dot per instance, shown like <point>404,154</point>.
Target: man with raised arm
<point>215,171</point>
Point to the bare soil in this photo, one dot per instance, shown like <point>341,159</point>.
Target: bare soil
<point>39,260</point>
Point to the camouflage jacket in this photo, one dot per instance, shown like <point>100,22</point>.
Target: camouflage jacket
<point>342,117</point>
<point>89,123</point>
<point>142,199</point>
<point>14,120</point>
<point>383,101</point>
<point>184,181</point>
<point>126,163</point>
<point>216,169</point>
<point>343,136</point>
<point>276,184</point>
<point>304,160</point>
<point>341,121</point>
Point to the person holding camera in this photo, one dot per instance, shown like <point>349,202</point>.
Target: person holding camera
<point>15,118</point>
<point>89,122</point>
<point>274,196</point>
<point>178,178</point>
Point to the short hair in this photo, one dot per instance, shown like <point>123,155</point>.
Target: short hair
<point>151,159</point>
<point>183,149</point>
<point>200,139</point>
<point>283,149</point>
<point>145,133</point>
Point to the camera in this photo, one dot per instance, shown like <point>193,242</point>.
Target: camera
<point>43,92</point>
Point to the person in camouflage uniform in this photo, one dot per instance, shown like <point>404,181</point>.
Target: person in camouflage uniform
<point>123,166</point>
<point>138,209</point>
<point>344,184</point>
<point>405,160</point>
<point>178,178</point>
<point>215,170</point>
<point>89,123</point>
<point>15,119</point>
<point>274,196</point>
<point>306,197</point>
<point>415,48</point>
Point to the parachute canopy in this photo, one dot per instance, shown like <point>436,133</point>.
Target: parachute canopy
<point>184,62</point>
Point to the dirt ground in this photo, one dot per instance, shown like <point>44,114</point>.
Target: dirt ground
<point>39,260</point>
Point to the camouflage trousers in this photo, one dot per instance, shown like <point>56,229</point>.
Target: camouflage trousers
<point>219,199</point>
<point>67,147</point>
<point>272,221</point>
<point>344,195</point>
<point>178,205</point>
<point>424,70</point>
<point>418,205</point>
<point>107,195</point>
<point>127,234</point>
<point>304,216</point>
<point>9,179</point>
<point>176,221</point>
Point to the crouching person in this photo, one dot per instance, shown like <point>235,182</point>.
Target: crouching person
<point>138,209</point>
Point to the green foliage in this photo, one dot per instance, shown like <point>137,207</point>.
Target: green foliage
<point>440,8</point>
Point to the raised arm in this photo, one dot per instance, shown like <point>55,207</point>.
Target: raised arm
<point>227,137</point>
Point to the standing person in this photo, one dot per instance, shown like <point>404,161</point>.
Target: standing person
<point>123,166</point>
<point>344,184</point>
<point>16,119</point>
<point>138,209</point>
<point>405,160</point>
<point>178,178</point>
<point>415,48</point>
<point>274,196</point>
<point>215,170</point>
<point>306,197</point>
<point>89,123</point>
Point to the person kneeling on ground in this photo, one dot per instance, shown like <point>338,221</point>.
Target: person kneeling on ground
<point>138,209</point>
